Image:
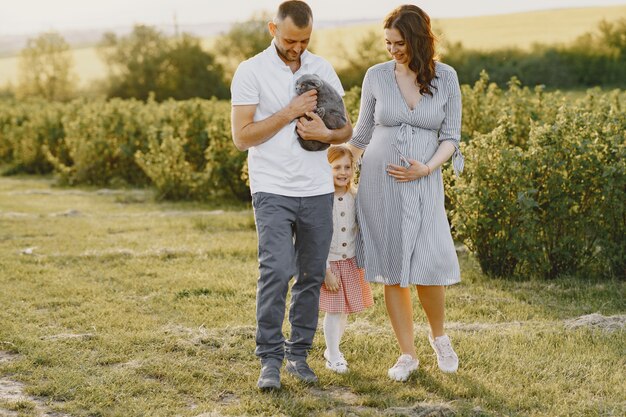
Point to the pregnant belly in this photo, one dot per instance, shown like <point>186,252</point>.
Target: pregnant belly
<point>413,142</point>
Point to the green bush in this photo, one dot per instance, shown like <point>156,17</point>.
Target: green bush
<point>12,116</point>
<point>165,164</point>
<point>490,202</point>
<point>542,194</point>
<point>578,165</point>
<point>596,58</point>
<point>551,203</point>
<point>225,162</point>
<point>26,127</point>
<point>192,155</point>
<point>101,139</point>
<point>146,63</point>
<point>485,105</point>
<point>352,99</point>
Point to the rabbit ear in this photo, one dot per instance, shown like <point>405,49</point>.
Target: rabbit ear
<point>317,82</point>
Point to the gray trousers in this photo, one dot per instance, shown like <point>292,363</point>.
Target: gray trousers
<point>294,239</point>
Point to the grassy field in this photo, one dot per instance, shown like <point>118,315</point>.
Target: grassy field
<point>115,305</point>
<point>488,32</point>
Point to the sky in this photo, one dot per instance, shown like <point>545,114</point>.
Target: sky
<point>33,16</point>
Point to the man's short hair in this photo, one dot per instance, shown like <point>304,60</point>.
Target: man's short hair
<point>299,12</point>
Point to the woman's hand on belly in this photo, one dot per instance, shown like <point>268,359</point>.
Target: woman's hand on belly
<point>415,171</point>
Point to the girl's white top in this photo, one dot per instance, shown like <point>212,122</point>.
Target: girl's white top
<point>345,228</point>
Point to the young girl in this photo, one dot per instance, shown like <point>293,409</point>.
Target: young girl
<point>344,290</point>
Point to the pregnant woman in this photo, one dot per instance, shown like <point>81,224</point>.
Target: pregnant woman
<point>410,123</point>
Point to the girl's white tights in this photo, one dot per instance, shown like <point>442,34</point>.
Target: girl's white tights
<point>334,326</point>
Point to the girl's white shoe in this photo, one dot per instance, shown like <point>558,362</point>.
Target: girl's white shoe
<point>339,365</point>
<point>447,359</point>
<point>403,368</point>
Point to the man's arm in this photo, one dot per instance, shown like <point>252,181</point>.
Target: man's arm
<point>315,129</point>
<point>247,133</point>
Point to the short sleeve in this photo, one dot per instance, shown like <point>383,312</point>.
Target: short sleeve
<point>365,124</point>
<point>244,89</point>
<point>330,76</point>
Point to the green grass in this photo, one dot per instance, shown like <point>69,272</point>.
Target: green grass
<point>127,307</point>
<point>486,33</point>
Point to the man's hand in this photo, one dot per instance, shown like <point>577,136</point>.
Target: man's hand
<point>300,105</point>
<point>331,282</point>
<point>313,129</point>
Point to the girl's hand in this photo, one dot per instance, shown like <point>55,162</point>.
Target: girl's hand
<point>415,171</point>
<point>331,282</point>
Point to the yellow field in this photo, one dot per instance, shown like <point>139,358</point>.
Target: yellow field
<point>87,64</point>
<point>487,32</point>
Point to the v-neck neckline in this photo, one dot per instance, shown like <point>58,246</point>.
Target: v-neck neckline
<point>395,80</point>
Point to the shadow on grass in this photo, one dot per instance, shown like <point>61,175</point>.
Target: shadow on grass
<point>295,399</point>
<point>470,389</point>
<point>568,297</point>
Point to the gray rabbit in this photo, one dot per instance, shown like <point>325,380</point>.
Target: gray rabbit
<point>330,107</point>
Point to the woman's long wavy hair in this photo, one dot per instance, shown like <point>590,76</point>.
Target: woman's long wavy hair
<point>414,26</point>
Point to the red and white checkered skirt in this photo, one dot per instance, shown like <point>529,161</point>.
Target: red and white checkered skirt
<point>354,292</point>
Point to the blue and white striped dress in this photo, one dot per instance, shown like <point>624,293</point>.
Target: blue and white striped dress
<point>405,236</point>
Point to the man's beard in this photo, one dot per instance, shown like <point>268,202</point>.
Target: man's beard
<point>287,55</point>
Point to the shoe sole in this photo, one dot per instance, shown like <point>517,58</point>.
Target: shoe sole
<point>266,388</point>
<point>400,379</point>
<point>449,371</point>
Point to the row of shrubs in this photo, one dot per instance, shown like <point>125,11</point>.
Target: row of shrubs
<point>183,148</point>
<point>543,192</point>
<point>544,188</point>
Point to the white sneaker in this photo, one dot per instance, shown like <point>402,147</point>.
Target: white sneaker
<point>403,368</point>
<point>447,359</point>
<point>339,365</point>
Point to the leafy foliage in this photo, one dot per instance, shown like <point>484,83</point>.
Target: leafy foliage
<point>46,68</point>
<point>543,189</point>
<point>101,138</point>
<point>244,40</point>
<point>596,58</point>
<point>146,62</point>
<point>542,193</point>
<point>369,51</point>
<point>172,175</point>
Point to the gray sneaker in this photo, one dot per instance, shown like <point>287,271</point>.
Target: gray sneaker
<point>269,379</point>
<point>301,370</point>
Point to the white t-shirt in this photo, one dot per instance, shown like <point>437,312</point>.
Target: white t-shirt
<point>280,165</point>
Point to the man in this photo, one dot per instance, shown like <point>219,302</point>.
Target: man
<point>292,189</point>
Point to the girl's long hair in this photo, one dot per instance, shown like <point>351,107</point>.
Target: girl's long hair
<point>414,26</point>
<point>339,151</point>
